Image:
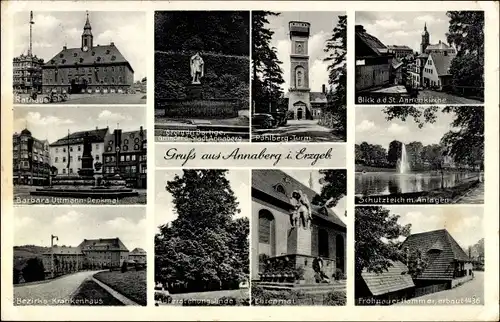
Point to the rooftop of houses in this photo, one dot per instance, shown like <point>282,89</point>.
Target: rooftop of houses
<point>442,63</point>
<point>280,185</point>
<point>109,244</point>
<point>394,279</point>
<point>371,41</point>
<point>439,249</point>
<point>95,136</point>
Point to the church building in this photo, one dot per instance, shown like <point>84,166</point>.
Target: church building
<point>89,68</point>
<point>279,245</point>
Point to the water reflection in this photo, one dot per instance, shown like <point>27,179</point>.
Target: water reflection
<point>385,183</point>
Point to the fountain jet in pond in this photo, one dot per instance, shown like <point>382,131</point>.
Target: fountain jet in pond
<point>403,165</point>
<point>85,185</point>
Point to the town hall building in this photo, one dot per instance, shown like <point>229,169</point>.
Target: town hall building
<point>89,68</point>
<point>276,241</point>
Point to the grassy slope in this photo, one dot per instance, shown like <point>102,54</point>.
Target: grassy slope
<point>90,293</point>
<point>131,284</point>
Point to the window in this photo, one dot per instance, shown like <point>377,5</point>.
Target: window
<point>323,247</point>
<point>56,159</point>
<point>126,141</point>
<point>70,170</point>
<point>64,159</point>
<point>127,157</point>
<point>97,157</point>
<point>97,146</point>
<point>133,168</point>
<point>70,158</point>
<point>266,233</point>
<point>280,189</point>
<point>132,157</point>
<point>125,148</point>
<point>109,148</point>
<point>79,148</point>
<point>64,171</point>
<point>122,158</point>
<point>64,149</point>
<point>136,147</point>
<point>70,149</point>
<point>79,158</point>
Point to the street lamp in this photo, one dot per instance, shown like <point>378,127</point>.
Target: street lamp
<point>52,237</point>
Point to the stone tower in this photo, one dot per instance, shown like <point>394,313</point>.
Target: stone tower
<point>299,92</point>
<point>87,37</point>
<point>425,39</point>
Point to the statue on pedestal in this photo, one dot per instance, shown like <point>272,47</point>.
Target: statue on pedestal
<point>301,213</point>
<point>197,68</point>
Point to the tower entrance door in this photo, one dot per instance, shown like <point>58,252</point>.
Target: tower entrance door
<point>300,113</point>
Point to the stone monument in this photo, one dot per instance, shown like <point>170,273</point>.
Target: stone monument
<point>197,72</point>
<point>87,169</point>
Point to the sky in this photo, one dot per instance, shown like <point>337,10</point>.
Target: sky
<point>303,176</point>
<point>464,223</point>
<point>404,28</point>
<point>52,123</point>
<point>54,29</point>
<point>74,224</point>
<point>322,24</point>
<point>239,181</point>
<point>372,127</point>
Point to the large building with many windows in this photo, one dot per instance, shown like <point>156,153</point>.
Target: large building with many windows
<point>31,159</point>
<point>125,153</point>
<point>66,153</point>
<point>27,70</point>
<point>89,68</point>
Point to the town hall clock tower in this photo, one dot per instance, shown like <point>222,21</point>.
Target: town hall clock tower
<point>87,37</point>
<point>299,92</point>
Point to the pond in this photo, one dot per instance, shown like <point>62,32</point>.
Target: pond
<point>388,183</point>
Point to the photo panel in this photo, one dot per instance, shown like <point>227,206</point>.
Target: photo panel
<point>419,155</point>
<point>79,155</point>
<point>419,57</point>
<point>202,237</point>
<point>79,57</point>
<point>299,76</point>
<point>299,237</point>
<point>417,255</point>
<point>202,66</point>
<point>80,256</point>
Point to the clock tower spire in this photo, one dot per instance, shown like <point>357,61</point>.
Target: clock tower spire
<point>87,37</point>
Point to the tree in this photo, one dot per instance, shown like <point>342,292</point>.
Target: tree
<point>267,75</point>
<point>98,166</point>
<point>335,115</point>
<point>465,145</point>
<point>203,247</point>
<point>394,152</point>
<point>334,187</point>
<point>34,270</point>
<point>124,267</point>
<point>414,150</point>
<point>16,276</point>
<point>377,239</point>
<point>466,32</point>
<point>415,262</point>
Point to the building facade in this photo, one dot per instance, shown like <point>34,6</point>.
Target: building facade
<point>373,61</point>
<point>125,153</point>
<point>66,153</point>
<point>275,239</point>
<point>138,255</point>
<point>27,70</point>
<point>436,72</point>
<point>90,68</point>
<point>399,51</point>
<point>299,101</point>
<point>102,253</point>
<point>31,159</point>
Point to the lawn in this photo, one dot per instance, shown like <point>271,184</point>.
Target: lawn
<point>228,297</point>
<point>131,284</point>
<point>90,293</point>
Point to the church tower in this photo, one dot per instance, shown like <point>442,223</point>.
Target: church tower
<point>299,92</point>
<point>87,37</point>
<point>425,40</point>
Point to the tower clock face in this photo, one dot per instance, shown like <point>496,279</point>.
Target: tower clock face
<point>85,48</point>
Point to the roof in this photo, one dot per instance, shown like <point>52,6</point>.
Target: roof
<point>26,132</point>
<point>317,97</point>
<point>95,56</point>
<point>64,250</point>
<point>111,244</point>
<point>95,136</point>
<point>371,41</point>
<point>442,63</point>
<point>439,46</point>
<point>440,249</point>
<point>396,63</point>
<point>394,279</point>
<point>138,251</point>
<point>266,181</point>
<point>399,47</point>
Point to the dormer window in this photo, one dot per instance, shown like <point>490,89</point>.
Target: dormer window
<point>75,54</point>
<point>107,52</point>
<point>113,57</point>
<point>93,53</point>
<point>279,188</point>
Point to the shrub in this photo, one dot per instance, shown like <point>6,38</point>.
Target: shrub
<point>17,275</point>
<point>200,108</point>
<point>34,270</point>
<point>335,298</point>
<point>124,267</point>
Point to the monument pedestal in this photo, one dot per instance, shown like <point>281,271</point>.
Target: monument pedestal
<point>194,92</point>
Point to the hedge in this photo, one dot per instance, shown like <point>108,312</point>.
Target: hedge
<point>209,109</point>
<point>225,77</point>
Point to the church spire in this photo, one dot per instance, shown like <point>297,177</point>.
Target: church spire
<point>87,37</point>
<point>425,26</point>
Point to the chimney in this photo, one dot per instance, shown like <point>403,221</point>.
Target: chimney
<point>440,41</point>
<point>359,28</point>
<point>112,43</point>
<point>323,89</point>
<point>96,128</point>
<point>64,47</point>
